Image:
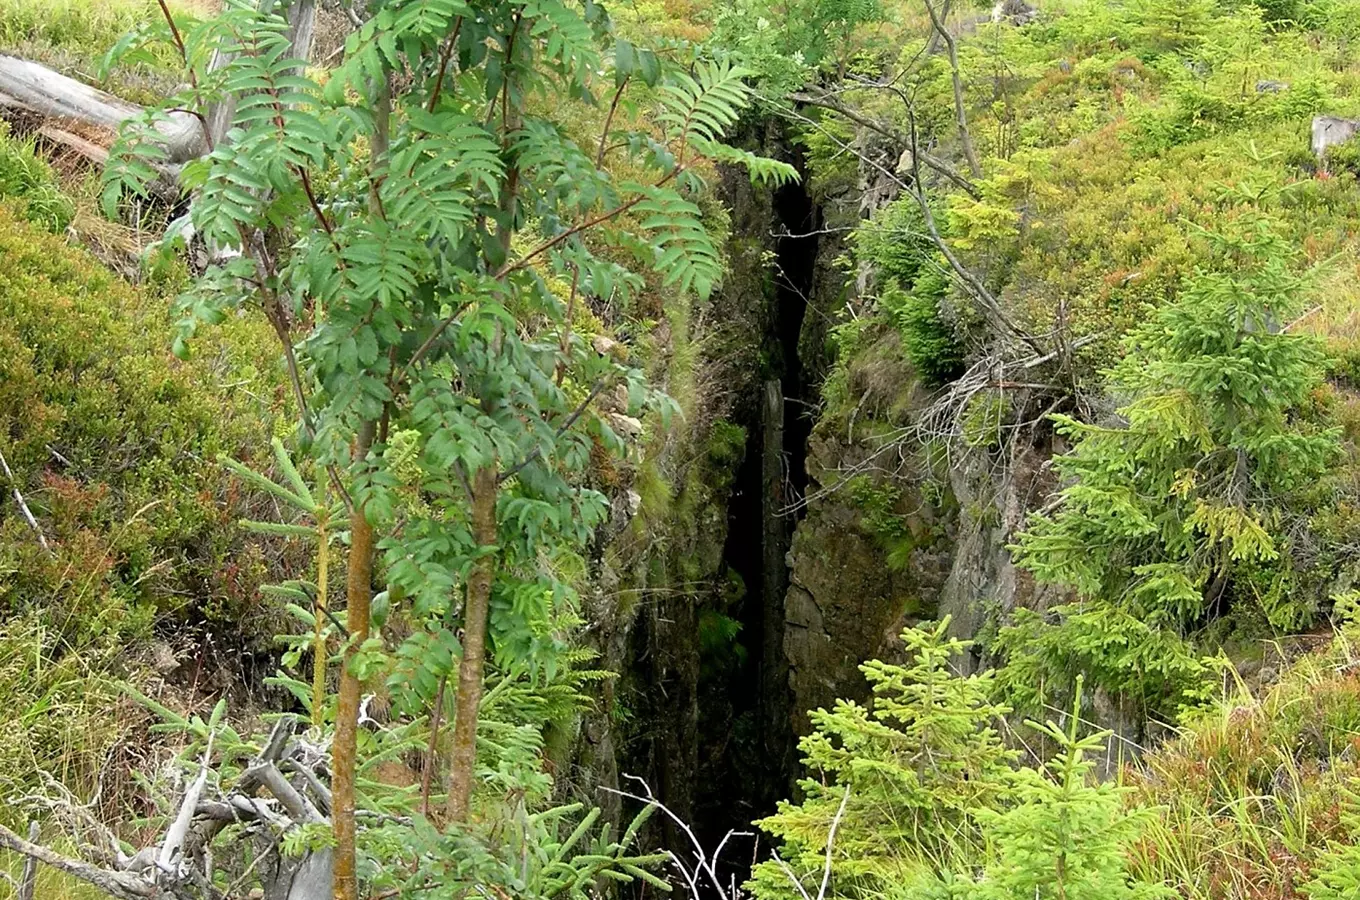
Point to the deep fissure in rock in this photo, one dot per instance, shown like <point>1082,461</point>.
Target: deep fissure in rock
<point>748,759</point>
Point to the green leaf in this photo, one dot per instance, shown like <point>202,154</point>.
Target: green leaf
<point>625,61</point>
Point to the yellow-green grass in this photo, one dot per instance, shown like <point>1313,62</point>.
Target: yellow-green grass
<point>73,36</point>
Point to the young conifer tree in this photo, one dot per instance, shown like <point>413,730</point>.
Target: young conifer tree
<point>420,226</point>
<point>1183,507</point>
<point>894,787</point>
<point>1065,838</point>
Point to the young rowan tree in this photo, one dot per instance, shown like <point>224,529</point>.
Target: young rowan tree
<point>401,221</point>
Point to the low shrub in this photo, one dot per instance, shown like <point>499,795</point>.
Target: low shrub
<point>113,443</point>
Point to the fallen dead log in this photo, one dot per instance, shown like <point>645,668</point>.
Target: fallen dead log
<point>59,108</point>
<point>29,88</point>
<point>82,147</point>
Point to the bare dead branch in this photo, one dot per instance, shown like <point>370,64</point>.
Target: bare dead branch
<point>167,859</point>
<point>897,137</point>
<point>830,844</point>
<point>115,884</point>
<point>960,114</point>
<point>28,882</point>
<point>23,507</point>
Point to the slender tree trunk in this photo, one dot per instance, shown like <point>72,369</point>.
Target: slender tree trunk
<point>960,113</point>
<point>933,45</point>
<point>463,759</point>
<point>323,556</point>
<point>358,594</point>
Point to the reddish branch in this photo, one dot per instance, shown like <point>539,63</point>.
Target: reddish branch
<point>193,76</point>
<point>609,120</point>
<point>444,63</point>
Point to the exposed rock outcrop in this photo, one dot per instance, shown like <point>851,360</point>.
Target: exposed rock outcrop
<point>1329,131</point>
<point>846,603</point>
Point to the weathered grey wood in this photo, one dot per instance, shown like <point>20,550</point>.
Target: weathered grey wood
<point>301,33</point>
<point>28,883</point>
<point>309,878</point>
<point>115,884</point>
<point>168,858</point>
<point>26,86</point>
<point>95,153</point>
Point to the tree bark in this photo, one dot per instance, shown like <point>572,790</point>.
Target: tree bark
<point>933,45</point>
<point>358,595</point>
<point>463,758</point>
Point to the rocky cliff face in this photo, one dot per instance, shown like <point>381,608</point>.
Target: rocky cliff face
<point>775,540</point>
<point>678,575</point>
<point>846,602</point>
<point>895,527</point>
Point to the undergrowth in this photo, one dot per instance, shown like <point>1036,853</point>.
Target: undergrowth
<point>113,445</point>
<point>27,179</point>
<point>72,37</point>
<point>1257,798</point>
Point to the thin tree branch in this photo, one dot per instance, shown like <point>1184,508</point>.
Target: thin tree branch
<point>523,262</point>
<point>427,768</point>
<point>565,343</point>
<point>562,429</point>
<point>193,76</point>
<point>320,216</point>
<point>971,281</point>
<point>444,58</point>
<point>897,137</point>
<point>830,843</point>
<point>960,114</point>
<point>168,858</point>
<point>974,283</point>
<point>609,120</point>
<point>28,882</point>
<point>123,885</point>
<point>23,507</point>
